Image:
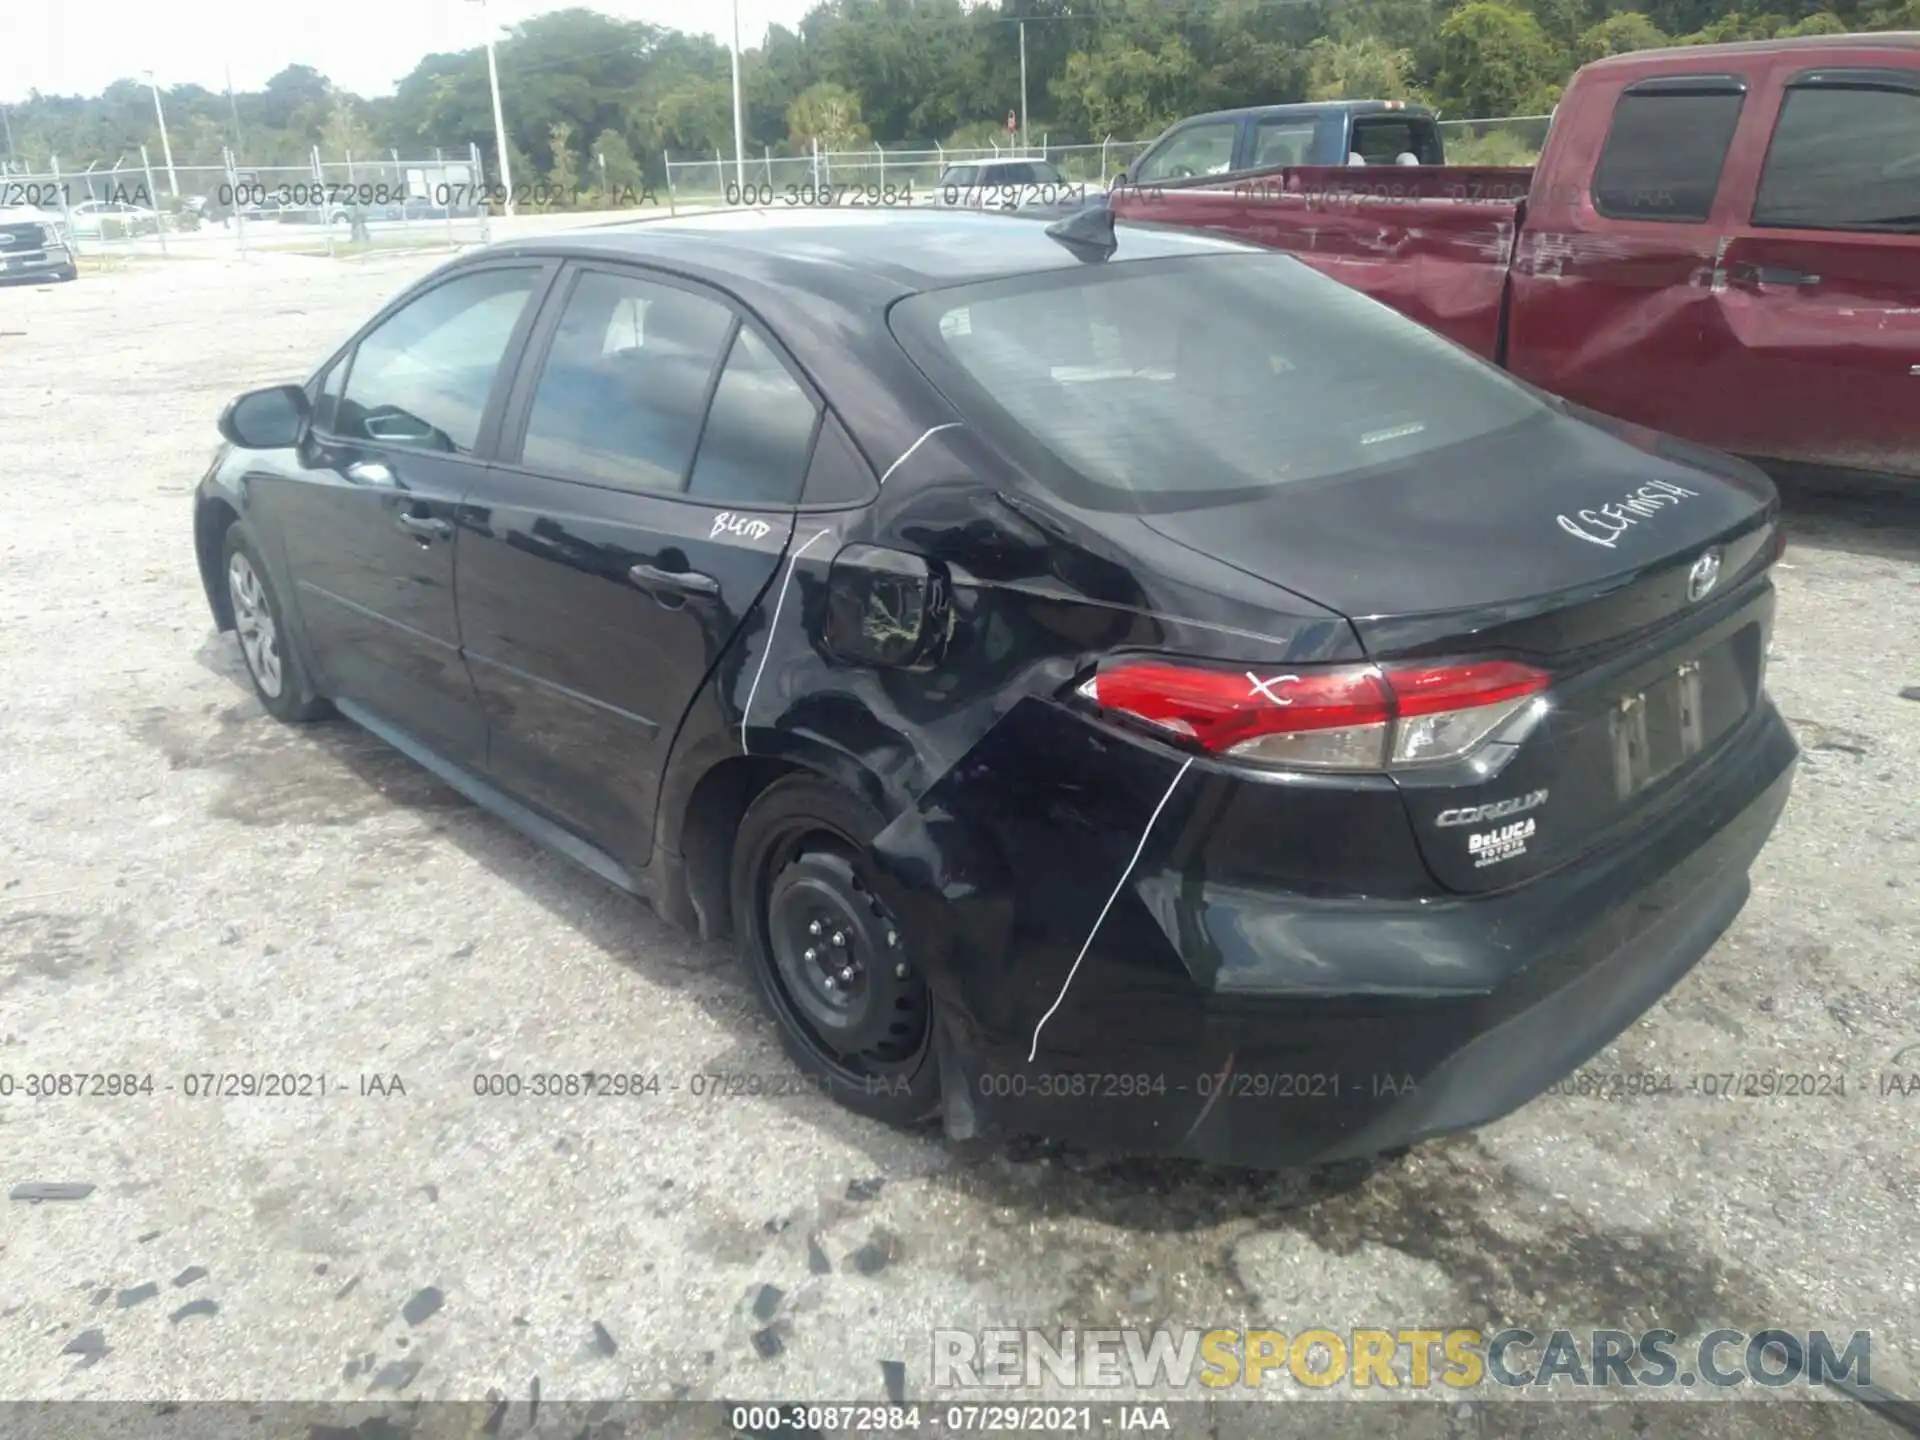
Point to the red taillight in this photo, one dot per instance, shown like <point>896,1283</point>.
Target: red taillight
<point>1349,717</point>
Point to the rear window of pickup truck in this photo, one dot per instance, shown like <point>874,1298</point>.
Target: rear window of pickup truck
<point>1171,384</point>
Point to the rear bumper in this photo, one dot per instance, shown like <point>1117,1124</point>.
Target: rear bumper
<point>35,264</point>
<point>1269,1029</point>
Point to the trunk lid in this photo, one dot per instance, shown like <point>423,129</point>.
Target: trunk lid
<point>1583,548</point>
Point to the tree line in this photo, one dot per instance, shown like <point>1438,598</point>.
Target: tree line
<point>590,97</point>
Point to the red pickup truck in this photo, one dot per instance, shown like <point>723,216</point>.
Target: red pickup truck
<point>1719,241</point>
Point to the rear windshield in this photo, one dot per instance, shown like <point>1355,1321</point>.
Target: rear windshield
<point>1169,384</point>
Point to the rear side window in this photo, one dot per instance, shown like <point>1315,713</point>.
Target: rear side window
<point>1664,151</point>
<point>1282,142</point>
<point>423,375</point>
<point>623,386</point>
<point>1844,157</point>
<point>754,449</point>
<point>1170,384</point>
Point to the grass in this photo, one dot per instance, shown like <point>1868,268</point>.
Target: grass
<point>1497,148</point>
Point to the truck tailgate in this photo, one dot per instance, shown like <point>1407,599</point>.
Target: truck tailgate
<point>1431,241</point>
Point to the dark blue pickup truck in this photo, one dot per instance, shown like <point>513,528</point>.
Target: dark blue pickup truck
<point>1333,132</point>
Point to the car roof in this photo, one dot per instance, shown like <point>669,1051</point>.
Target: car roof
<point>1701,55</point>
<point>1304,109</point>
<point>856,255</point>
<point>823,280</point>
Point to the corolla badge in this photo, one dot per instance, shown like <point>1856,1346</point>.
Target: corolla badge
<point>1497,810</point>
<point>1704,575</point>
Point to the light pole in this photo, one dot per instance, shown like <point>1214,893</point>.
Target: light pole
<point>499,120</point>
<point>166,146</point>
<point>739,141</point>
<point>1023,87</point>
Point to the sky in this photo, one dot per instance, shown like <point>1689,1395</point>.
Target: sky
<point>365,46</point>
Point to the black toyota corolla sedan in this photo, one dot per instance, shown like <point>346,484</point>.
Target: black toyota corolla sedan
<point>1114,684</point>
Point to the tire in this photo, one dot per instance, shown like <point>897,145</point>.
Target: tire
<point>800,859</point>
<point>69,272</point>
<point>274,667</point>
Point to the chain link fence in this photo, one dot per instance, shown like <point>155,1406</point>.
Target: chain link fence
<point>141,206</point>
<point>148,208</point>
<point>900,175</point>
<point>892,176</point>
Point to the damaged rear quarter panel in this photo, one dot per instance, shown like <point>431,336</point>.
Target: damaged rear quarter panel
<point>1011,818</point>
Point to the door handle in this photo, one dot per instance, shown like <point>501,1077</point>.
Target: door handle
<point>679,582</point>
<point>426,527</point>
<point>1773,275</point>
<point>371,472</point>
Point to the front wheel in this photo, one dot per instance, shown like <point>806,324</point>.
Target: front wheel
<point>828,961</point>
<point>273,665</point>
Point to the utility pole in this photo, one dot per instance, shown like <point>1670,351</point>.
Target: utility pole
<point>499,120</point>
<point>233,109</point>
<point>739,138</point>
<point>173,180</point>
<point>1023,87</point>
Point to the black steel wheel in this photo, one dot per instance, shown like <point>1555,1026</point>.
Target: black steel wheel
<point>827,959</point>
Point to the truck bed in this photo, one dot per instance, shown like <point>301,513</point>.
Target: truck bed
<point>1434,242</point>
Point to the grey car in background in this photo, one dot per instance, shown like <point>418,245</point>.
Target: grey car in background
<point>34,245</point>
<point>1006,185</point>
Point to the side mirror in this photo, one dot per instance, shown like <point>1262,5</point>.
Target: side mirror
<point>885,608</point>
<point>270,419</point>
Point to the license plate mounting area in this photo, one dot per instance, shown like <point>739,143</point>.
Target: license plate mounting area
<point>1657,730</point>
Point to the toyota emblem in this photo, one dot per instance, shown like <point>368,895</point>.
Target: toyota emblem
<point>1704,575</point>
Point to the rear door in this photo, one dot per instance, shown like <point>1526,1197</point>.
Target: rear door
<point>654,449</point>
<point>1609,302</point>
<point>1282,140</point>
<point>1819,287</point>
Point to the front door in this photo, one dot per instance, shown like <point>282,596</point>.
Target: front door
<point>367,517</point>
<point>1205,147</point>
<point>652,455</point>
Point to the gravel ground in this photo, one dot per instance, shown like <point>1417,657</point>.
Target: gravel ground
<point>187,887</point>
